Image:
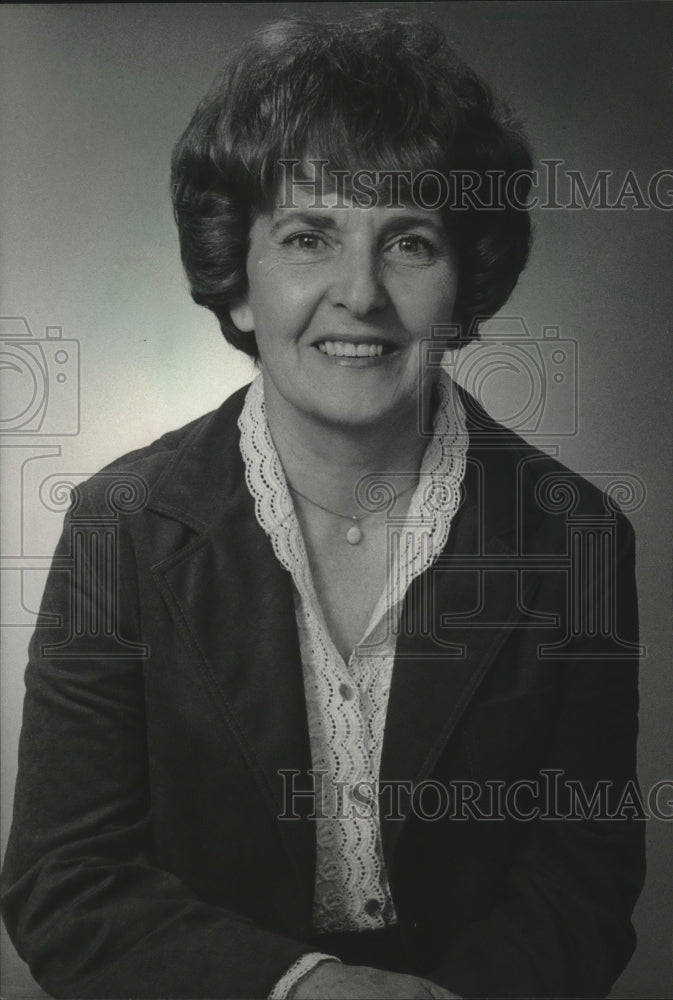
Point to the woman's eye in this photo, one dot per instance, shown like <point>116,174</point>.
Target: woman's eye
<point>413,246</point>
<point>303,241</point>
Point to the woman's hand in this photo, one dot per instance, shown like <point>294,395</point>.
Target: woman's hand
<point>334,981</point>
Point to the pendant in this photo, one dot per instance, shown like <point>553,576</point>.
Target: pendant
<point>354,534</point>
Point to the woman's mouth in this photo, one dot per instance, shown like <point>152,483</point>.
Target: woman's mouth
<point>346,349</point>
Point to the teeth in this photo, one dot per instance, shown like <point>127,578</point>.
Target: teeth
<point>344,349</point>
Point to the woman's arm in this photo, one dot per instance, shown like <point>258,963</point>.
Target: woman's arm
<point>562,927</point>
<point>84,903</point>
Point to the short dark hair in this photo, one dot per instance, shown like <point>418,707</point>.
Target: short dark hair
<point>377,91</point>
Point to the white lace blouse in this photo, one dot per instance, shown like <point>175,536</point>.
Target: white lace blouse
<point>347,702</point>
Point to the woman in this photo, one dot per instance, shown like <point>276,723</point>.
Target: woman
<point>318,651</point>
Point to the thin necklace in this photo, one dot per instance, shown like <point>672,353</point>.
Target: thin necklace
<point>354,533</point>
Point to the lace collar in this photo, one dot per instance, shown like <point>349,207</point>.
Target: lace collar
<point>418,540</point>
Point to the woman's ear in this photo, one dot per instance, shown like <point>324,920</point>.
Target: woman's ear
<point>242,318</point>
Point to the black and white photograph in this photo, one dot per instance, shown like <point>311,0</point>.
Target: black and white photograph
<point>337,490</point>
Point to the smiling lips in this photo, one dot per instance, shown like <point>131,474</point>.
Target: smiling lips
<point>346,349</point>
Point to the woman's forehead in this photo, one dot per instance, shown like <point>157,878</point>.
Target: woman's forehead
<point>317,184</point>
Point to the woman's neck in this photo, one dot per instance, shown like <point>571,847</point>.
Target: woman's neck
<point>325,461</point>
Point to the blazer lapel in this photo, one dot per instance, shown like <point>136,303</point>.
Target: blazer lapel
<point>233,603</point>
<point>456,617</point>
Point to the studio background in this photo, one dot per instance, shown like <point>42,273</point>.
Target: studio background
<point>93,99</point>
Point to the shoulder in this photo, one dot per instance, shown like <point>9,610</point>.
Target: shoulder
<point>132,480</point>
<point>543,488</point>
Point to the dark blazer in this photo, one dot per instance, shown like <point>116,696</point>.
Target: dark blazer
<point>152,852</point>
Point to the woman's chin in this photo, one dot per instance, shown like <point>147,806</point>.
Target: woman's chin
<point>356,391</point>
<point>343,391</point>
<point>359,411</point>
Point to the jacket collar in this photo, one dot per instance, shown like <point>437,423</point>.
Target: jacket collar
<point>205,479</point>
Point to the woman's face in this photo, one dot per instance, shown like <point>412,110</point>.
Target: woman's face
<point>340,299</point>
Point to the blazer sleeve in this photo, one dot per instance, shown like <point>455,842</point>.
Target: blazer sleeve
<point>84,904</point>
<point>562,927</point>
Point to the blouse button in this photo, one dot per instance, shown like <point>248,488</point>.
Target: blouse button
<point>372,907</point>
<point>346,692</point>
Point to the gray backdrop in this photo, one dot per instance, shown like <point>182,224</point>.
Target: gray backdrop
<point>93,98</point>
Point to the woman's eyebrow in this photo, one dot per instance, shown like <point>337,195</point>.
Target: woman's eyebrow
<point>407,217</point>
<point>317,220</point>
<point>399,219</point>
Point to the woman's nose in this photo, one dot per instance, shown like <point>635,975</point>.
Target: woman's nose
<point>357,284</point>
